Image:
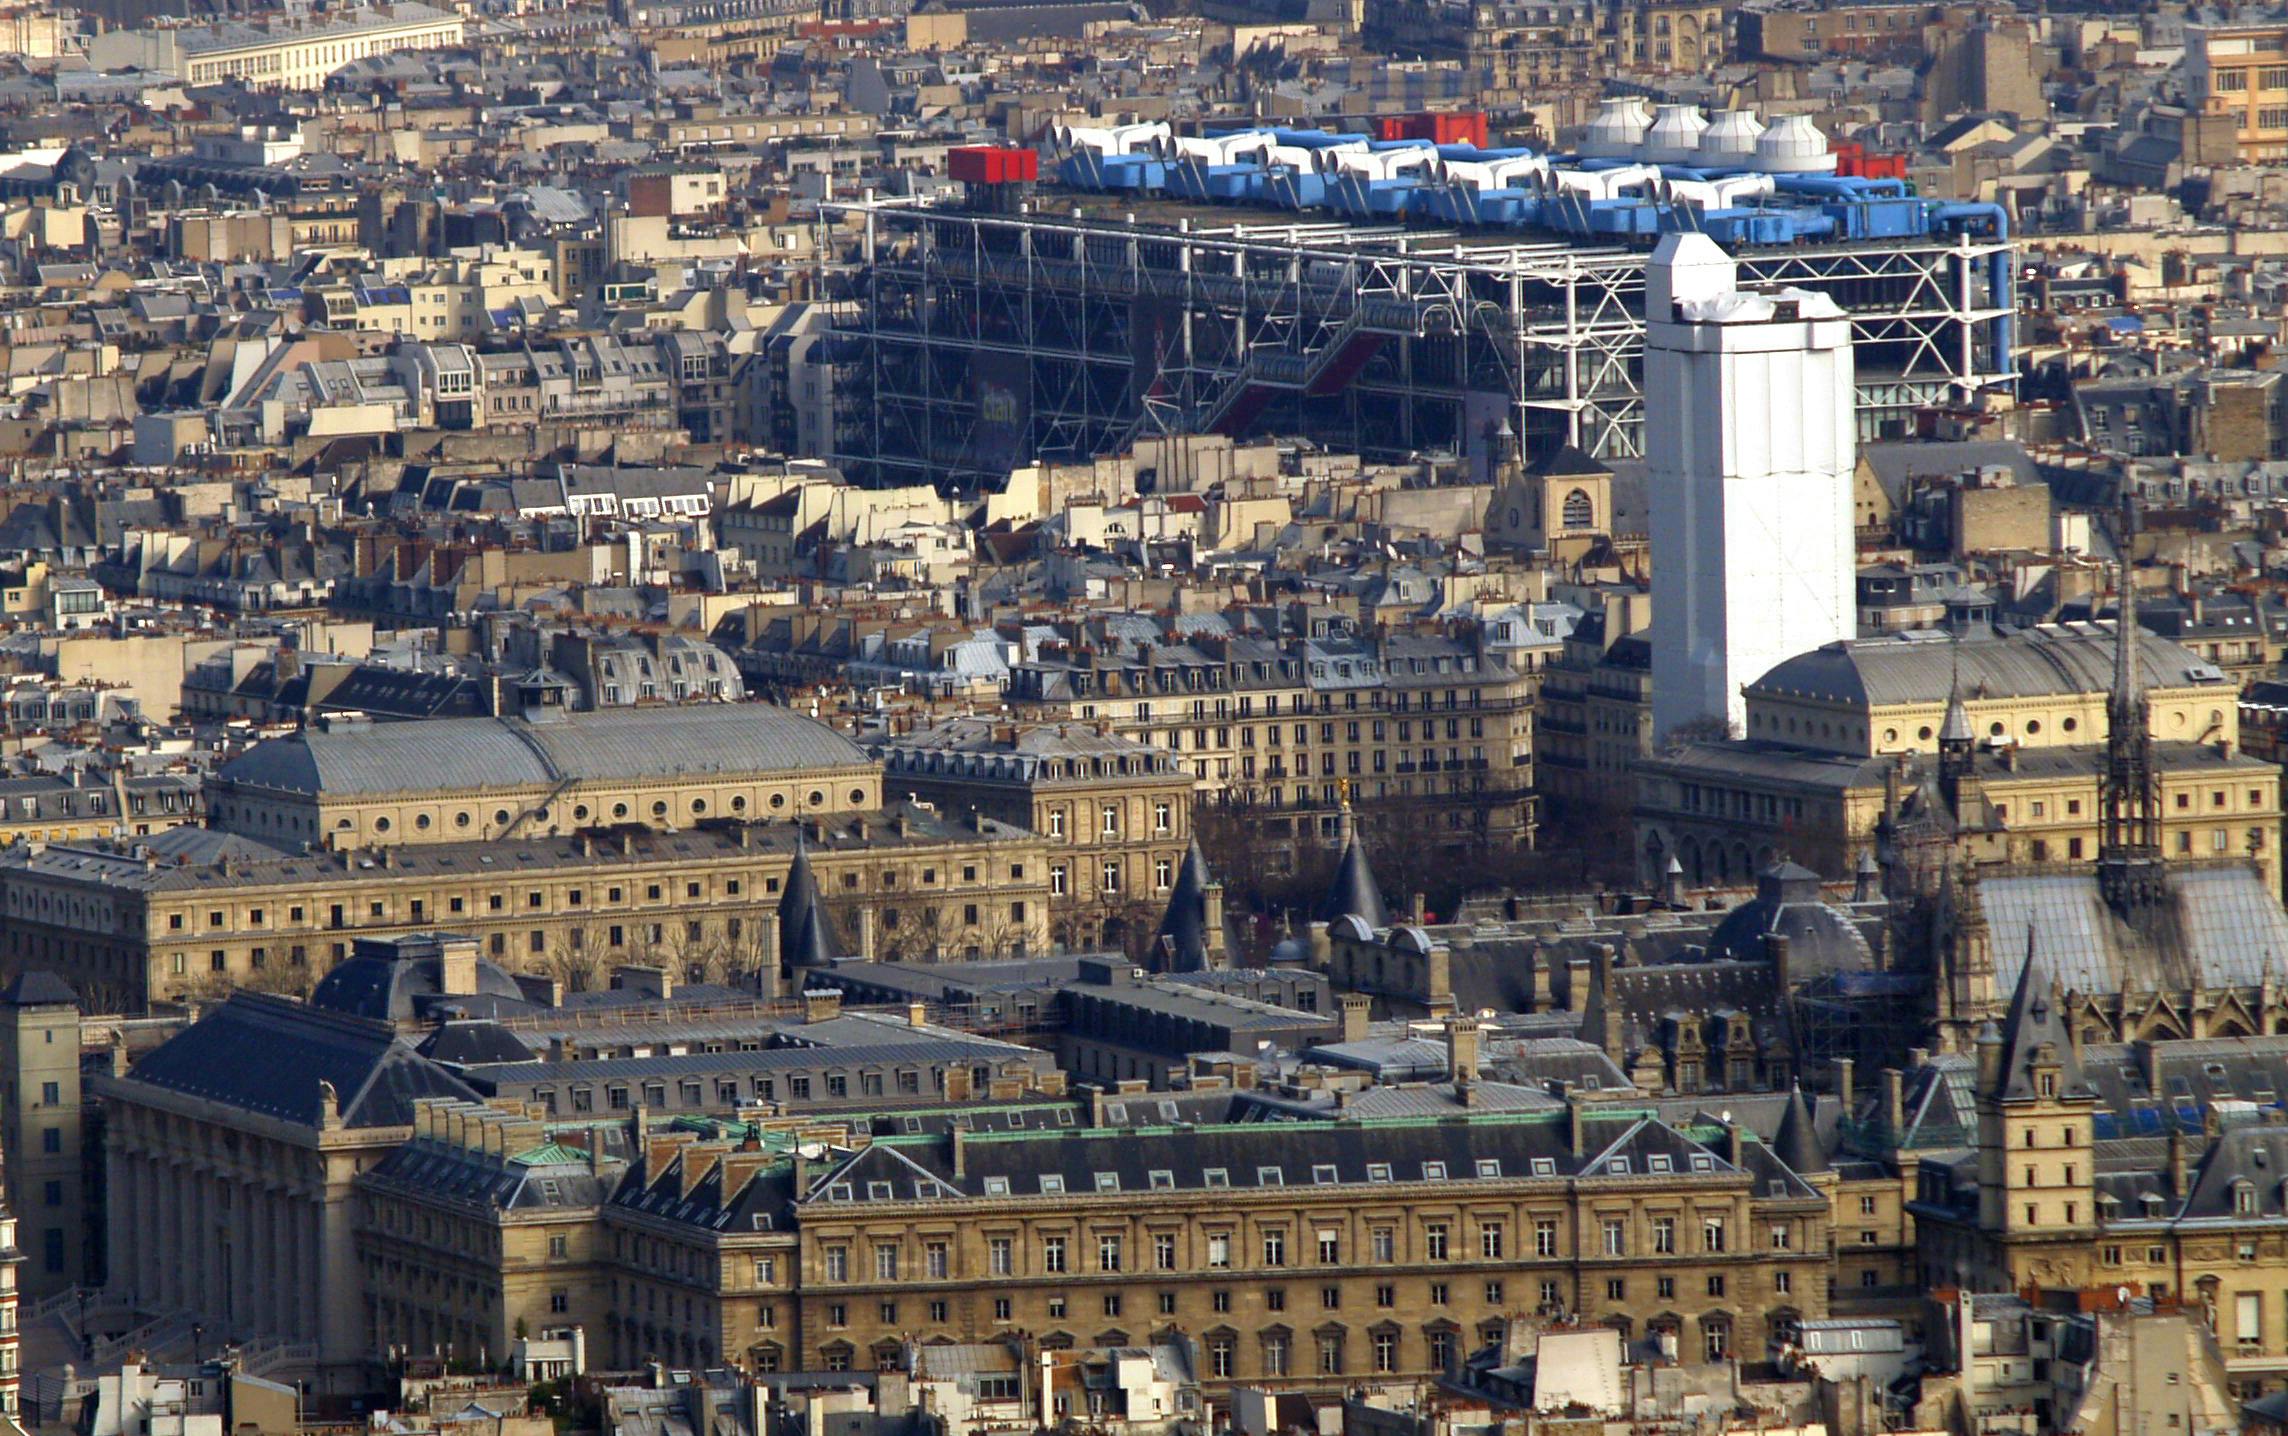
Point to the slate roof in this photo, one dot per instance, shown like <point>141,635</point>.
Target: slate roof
<point>1791,903</point>
<point>550,1177</point>
<point>1446,1152</point>
<point>2035,1029</point>
<point>472,1042</point>
<point>806,931</point>
<point>269,1056</point>
<point>1353,891</point>
<point>33,988</point>
<point>1181,944</point>
<point>2055,658</point>
<point>2220,929</point>
<point>398,989</point>
<point>489,753</point>
<point>1797,1142</point>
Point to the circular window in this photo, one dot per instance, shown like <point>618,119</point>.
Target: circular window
<point>698,805</point>
<point>2070,724</point>
<point>2033,725</point>
<point>1923,733</point>
<point>500,816</point>
<point>460,820</point>
<point>659,810</point>
<point>1994,730</point>
<point>581,812</point>
<point>1890,735</point>
<point>342,825</point>
<point>818,799</point>
<point>778,800</point>
<point>381,825</point>
<point>422,822</point>
<point>2177,719</point>
<point>739,803</point>
<point>619,810</point>
<point>857,795</point>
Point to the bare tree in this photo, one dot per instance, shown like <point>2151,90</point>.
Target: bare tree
<point>284,979</point>
<point>575,955</point>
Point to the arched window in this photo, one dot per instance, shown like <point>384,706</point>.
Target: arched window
<point>1579,512</point>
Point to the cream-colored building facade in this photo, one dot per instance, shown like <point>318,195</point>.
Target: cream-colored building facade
<point>349,782</point>
<point>131,932</point>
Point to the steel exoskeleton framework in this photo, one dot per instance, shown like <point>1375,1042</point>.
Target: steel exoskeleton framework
<point>988,340</point>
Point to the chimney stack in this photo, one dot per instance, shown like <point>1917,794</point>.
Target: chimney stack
<point>1462,1051</point>
<point>1356,1009</point>
<point>457,967</point>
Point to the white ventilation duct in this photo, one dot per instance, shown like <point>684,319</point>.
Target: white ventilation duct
<point>1730,139</point>
<point>1618,129</point>
<point>1794,146</point>
<point>1674,138</point>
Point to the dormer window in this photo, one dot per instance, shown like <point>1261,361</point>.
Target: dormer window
<point>2047,1083</point>
<point>2243,1199</point>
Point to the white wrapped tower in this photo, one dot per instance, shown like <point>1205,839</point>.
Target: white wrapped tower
<point>1750,444</point>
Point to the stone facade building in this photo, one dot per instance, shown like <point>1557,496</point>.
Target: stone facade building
<point>134,930</point>
<point>1290,726</point>
<point>1117,814</point>
<point>344,783</point>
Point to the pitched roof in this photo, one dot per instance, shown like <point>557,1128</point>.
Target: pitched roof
<point>1797,1142</point>
<point>2036,1032</point>
<point>448,754</point>
<point>278,1058</point>
<point>806,933</point>
<point>1182,940</point>
<point>1354,893</point>
<point>39,989</point>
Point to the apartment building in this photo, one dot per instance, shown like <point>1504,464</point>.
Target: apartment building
<point>284,55</point>
<point>2241,72</point>
<point>1301,1254</point>
<point>544,770</point>
<point>301,1172</point>
<point>132,930</point>
<point>1291,725</point>
<point>1116,814</point>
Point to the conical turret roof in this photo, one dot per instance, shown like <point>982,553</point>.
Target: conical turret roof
<point>1797,1141</point>
<point>806,934</point>
<point>1354,893</point>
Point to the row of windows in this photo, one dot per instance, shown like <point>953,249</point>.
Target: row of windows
<point>1386,1345</point>
<point>890,1261</point>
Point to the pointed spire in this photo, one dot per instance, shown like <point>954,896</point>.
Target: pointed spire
<point>2036,1040</point>
<point>1797,1142</point>
<point>1866,878</point>
<point>2128,690</point>
<point>1957,725</point>
<point>1353,893</point>
<point>2130,871</point>
<point>806,934</point>
<point>1956,728</point>
<point>1193,935</point>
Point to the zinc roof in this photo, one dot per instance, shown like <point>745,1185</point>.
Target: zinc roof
<point>2055,658</point>
<point>448,754</point>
